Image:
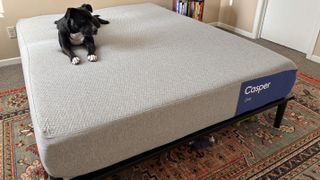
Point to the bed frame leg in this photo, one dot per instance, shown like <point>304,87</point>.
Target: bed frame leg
<point>280,113</point>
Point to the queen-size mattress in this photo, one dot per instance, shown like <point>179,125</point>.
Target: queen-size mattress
<point>160,76</point>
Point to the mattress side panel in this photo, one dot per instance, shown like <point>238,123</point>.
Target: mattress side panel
<point>261,91</point>
<point>103,146</point>
<point>131,136</point>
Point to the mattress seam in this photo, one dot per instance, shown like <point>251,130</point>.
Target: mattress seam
<point>29,79</point>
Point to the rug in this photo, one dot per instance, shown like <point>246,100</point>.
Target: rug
<point>252,149</point>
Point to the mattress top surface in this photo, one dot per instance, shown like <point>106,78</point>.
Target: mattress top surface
<point>148,57</point>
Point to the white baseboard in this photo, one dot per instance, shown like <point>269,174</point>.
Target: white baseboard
<point>234,29</point>
<point>315,58</point>
<point>10,61</point>
<point>214,23</point>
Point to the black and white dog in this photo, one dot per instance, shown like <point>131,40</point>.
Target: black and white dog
<point>78,27</point>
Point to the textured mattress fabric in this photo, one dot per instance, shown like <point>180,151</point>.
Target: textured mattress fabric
<point>160,76</point>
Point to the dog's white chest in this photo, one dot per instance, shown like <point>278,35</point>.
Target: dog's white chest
<point>77,38</point>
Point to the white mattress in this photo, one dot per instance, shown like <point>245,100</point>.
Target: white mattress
<point>160,76</point>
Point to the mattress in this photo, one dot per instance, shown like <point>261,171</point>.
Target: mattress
<point>160,76</point>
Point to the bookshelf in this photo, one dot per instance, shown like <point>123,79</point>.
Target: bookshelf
<point>190,8</point>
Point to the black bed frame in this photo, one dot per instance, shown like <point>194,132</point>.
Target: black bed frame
<point>281,103</point>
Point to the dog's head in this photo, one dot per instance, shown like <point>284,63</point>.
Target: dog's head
<point>81,20</point>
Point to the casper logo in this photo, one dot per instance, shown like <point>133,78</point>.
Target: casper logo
<point>258,92</point>
<point>257,89</point>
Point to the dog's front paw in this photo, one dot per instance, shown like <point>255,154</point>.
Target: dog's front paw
<point>92,58</point>
<point>75,60</point>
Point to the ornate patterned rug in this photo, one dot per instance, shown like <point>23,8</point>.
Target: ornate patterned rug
<point>252,149</point>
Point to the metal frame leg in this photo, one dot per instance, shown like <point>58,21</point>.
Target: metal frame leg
<point>279,115</point>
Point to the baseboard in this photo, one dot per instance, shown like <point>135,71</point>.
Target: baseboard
<point>234,29</point>
<point>10,61</point>
<point>315,58</point>
<point>214,23</point>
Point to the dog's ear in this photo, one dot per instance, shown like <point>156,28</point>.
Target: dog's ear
<point>96,21</point>
<point>87,7</point>
<point>70,12</point>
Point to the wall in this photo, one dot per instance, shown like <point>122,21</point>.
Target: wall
<point>317,48</point>
<point>211,11</point>
<point>240,15</point>
<point>16,9</point>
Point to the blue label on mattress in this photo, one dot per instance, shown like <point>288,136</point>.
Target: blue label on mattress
<point>258,92</point>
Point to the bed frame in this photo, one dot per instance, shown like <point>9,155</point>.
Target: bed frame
<point>281,103</point>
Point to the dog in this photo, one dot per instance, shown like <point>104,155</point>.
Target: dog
<point>77,27</point>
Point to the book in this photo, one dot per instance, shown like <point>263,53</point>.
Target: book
<point>185,10</point>
<point>190,8</point>
<point>177,6</point>
<point>201,10</point>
